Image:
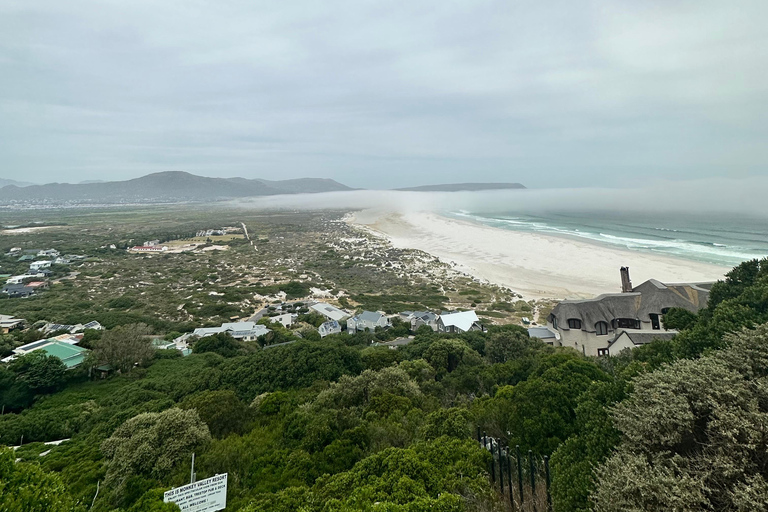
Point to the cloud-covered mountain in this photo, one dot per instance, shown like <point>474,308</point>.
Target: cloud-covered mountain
<point>463,187</point>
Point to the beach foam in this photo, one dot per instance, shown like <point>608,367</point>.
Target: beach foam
<point>535,264</point>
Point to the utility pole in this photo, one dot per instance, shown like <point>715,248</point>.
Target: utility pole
<point>192,471</point>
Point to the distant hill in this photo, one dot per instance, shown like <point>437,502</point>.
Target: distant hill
<point>162,187</point>
<point>463,187</point>
<point>4,182</point>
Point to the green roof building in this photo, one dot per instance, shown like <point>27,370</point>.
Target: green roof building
<point>71,355</point>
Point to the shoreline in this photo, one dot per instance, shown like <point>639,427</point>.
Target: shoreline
<point>535,265</point>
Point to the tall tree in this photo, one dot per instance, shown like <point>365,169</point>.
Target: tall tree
<point>694,435</point>
<point>41,372</point>
<point>125,346</point>
<point>152,444</point>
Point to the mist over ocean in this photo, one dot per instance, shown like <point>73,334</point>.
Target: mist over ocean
<point>717,238</point>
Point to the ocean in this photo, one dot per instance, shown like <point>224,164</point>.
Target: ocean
<point>719,239</point>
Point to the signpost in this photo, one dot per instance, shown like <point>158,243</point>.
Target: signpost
<point>206,495</point>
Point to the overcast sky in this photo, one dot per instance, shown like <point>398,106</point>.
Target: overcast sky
<point>386,93</point>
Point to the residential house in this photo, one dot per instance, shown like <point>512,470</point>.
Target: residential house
<point>39,265</point>
<point>330,312</point>
<point>592,325</point>
<point>418,318</point>
<point>28,257</point>
<point>20,278</point>
<point>369,320</point>
<point>246,331</point>
<point>631,338</point>
<point>329,327</point>
<point>8,323</point>
<point>545,334</point>
<point>64,347</point>
<point>72,328</point>
<point>149,248</point>
<point>458,322</point>
<point>285,319</point>
<point>48,253</point>
<point>17,290</point>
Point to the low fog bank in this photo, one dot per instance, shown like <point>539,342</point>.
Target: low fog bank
<point>740,197</point>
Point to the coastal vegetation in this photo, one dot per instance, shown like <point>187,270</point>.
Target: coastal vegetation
<point>342,424</point>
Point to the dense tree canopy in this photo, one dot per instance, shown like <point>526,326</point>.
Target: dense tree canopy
<point>342,424</point>
<point>694,435</point>
<point>124,347</point>
<point>152,444</point>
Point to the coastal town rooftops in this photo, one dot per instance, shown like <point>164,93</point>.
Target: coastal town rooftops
<point>370,316</point>
<point>235,329</point>
<point>543,333</point>
<point>62,338</point>
<point>651,297</point>
<point>71,355</point>
<point>640,337</point>
<point>462,319</point>
<point>9,321</point>
<point>330,312</point>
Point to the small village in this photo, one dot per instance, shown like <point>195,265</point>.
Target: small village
<point>601,326</point>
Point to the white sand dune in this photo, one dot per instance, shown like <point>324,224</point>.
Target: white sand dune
<point>532,264</point>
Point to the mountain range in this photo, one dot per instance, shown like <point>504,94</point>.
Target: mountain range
<point>4,182</point>
<point>162,187</point>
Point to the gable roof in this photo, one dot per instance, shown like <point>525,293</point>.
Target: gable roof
<point>329,311</point>
<point>460,319</point>
<point>638,337</point>
<point>370,316</point>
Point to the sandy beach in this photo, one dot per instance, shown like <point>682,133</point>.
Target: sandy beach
<point>534,265</point>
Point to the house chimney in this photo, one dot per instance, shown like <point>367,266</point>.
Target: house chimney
<point>626,284</point>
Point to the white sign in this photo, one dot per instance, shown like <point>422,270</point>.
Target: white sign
<point>204,496</point>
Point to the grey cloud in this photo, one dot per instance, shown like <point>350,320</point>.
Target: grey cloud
<point>385,93</point>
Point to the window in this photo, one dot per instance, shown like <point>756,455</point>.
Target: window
<point>602,351</point>
<point>655,324</point>
<point>628,323</point>
<point>554,322</point>
<point>601,328</point>
<point>574,323</point>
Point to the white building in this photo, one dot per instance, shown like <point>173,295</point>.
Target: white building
<point>330,312</point>
<point>592,326</point>
<point>246,331</point>
<point>40,264</point>
<point>286,319</point>
<point>367,320</point>
<point>149,248</point>
<point>329,327</point>
<point>9,323</point>
<point>458,322</point>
